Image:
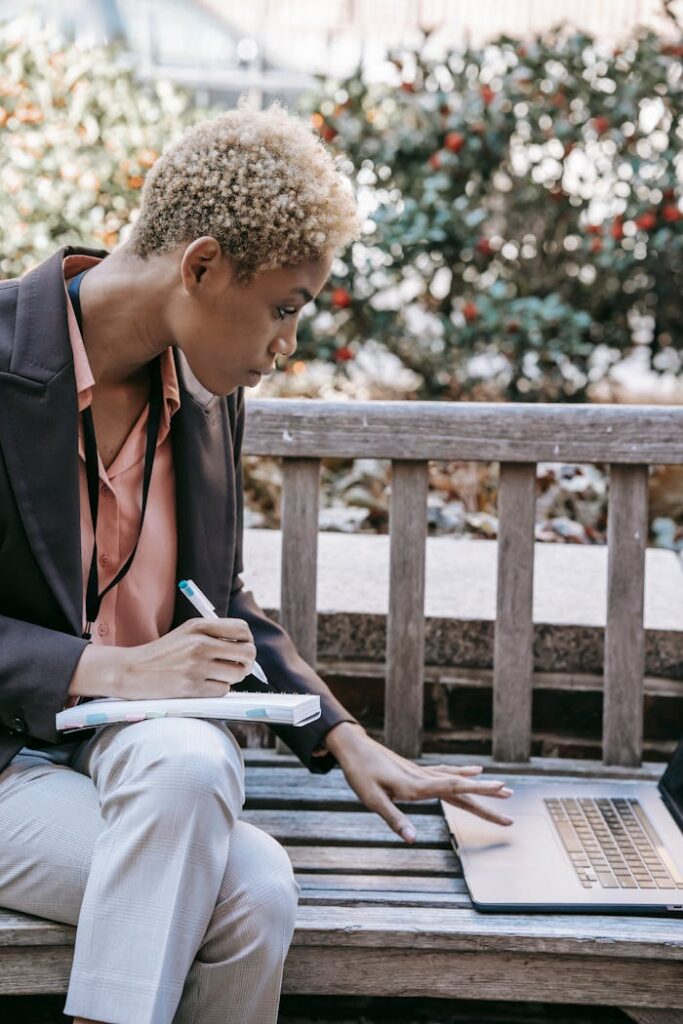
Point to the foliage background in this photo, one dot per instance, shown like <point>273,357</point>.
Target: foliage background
<point>527,224</point>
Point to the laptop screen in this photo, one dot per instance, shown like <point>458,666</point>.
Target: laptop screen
<point>671,784</point>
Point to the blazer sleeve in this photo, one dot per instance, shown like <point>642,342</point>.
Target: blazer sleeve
<point>36,667</point>
<point>286,670</point>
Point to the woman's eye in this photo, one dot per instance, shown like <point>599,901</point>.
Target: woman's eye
<point>285,311</point>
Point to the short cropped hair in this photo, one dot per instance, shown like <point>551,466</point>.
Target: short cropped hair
<point>261,182</point>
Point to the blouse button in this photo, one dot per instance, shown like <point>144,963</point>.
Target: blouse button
<point>103,629</point>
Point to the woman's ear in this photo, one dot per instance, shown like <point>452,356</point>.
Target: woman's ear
<point>200,256</point>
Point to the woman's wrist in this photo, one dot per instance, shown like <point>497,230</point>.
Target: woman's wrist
<point>343,738</point>
<point>100,672</point>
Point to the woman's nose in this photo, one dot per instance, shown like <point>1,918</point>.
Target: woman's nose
<point>285,345</point>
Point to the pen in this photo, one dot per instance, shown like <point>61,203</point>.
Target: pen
<point>201,602</point>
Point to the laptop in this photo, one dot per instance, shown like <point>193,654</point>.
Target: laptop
<point>613,846</point>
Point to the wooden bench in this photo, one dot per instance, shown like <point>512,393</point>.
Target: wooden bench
<point>377,917</point>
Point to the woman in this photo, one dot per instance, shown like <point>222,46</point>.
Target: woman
<point>122,382</point>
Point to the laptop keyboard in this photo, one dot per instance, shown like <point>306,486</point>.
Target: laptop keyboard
<point>612,843</point>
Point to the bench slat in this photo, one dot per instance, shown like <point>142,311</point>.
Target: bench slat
<point>514,633</point>
<point>338,827</point>
<point>595,935</point>
<point>404,695</point>
<point>403,885</point>
<point>601,980</point>
<point>300,498</point>
<point>481,431</point>
<point>624,631</point>
<point>375,859</point>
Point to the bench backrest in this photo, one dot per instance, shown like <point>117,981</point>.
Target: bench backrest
<point>627,438</point>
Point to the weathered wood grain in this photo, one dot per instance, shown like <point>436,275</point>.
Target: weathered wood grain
<point>479,975</point>
<point>482,678</point>
<point>340,828</point>
<point>624,632</point>
<point>552,766</point>
<point>480,431</point>
<point>298,586</point>
<point>300,500</point>
<point>404,693</point>
<point>633,938</point>
<point>513,657</point>
<point>375,859</point>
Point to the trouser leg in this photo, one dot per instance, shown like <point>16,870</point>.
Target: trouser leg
<point>170,791</point>
<point>237,972</point>
<point>170,893</point>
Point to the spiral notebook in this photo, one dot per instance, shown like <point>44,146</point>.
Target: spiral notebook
<point>276,708</point>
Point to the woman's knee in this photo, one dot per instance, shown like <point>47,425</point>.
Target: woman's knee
<point>259,881</point>
<point>174,758</point>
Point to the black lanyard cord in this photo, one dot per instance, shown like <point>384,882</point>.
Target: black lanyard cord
<point>93,597</point>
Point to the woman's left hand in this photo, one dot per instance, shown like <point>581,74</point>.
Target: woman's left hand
<point>379,777</point>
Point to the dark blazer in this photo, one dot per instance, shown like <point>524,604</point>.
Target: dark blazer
<point>40,560</point>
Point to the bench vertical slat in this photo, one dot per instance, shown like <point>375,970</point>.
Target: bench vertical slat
<point>298,587</point>
<point>622,733</point>
<point>403,706</point>
<point>514,637</point>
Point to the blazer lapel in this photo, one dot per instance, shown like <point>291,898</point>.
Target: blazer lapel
<point>205,492</point>
<point>39,423</point>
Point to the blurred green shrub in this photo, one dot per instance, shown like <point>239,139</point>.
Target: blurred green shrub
<point>77,134</point>
<point>527,222</point>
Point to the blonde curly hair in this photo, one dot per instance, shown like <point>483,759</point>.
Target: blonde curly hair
<point>259,181</point>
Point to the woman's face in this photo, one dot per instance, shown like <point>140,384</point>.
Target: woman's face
<point>231,333</point>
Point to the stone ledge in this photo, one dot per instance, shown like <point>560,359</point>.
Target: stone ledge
<point>569,601</point>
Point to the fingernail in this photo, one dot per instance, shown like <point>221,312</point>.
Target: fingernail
<point>506,792</point>
<point>408,833</point>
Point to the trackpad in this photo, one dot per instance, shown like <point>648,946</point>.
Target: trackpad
<point>522,861</point>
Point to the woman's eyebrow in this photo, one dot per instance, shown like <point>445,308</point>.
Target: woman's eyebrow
<point>303,291</point>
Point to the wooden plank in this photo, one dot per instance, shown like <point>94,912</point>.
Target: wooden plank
<point>385,898</point>
<point>482,678</point>
<point>481,431</point>
<point>376,859</point>
<point>300,500</point>
<point>298,588</point>
<point>514,632</point>
<point>406,885</point>
<point>551,766</point>
<point>404,693</point>
<point>479,975</point>
<point>634,938</point>
<point>342,829</point>
<point>624,632</point>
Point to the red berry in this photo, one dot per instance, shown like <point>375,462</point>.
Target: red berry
<point>511,327</point>
<point>454,141</point>
<point>408,86</point>
<point>470,312</point>
<point>484,247</point>
<point>435,160</point>
<point>328,132</point>
<point>617,229</point>
<point>646,221</point>
<point>594,229</point>
<point>601,124</point>
<point>342,355</point>
<point>596,245</point>
<point>341,298</point>
<point>487,94</point>
<point>671,213</point>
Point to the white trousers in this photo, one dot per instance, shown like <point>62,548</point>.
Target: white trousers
<point>184,913</point>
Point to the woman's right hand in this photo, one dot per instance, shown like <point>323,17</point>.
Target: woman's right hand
<point>200,658</point>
